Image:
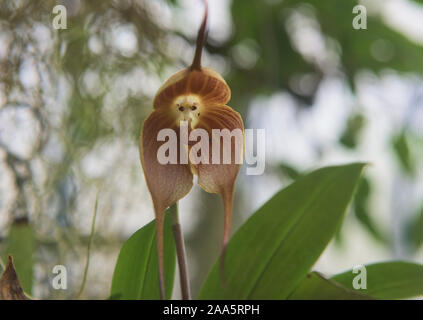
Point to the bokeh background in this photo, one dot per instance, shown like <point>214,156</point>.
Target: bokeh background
<point>72,103</point>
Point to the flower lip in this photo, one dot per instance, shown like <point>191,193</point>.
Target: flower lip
<point>187,108</point>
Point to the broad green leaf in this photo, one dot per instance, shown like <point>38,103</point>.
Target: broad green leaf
<point>388,280</point>
<point>317,287</point>
<point>21,245</point>
<point>136,274</point>
<point>274,250</point>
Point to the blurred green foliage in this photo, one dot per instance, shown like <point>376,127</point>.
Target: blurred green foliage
<point>350,137</point>
<point>362,209</point>
<point>415,230</point>
<point>402,151</point>
<point>265,27</point>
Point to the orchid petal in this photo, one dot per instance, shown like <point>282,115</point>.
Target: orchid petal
<point>220,177</point>
<point>167,183</point>
<point>206,83</point>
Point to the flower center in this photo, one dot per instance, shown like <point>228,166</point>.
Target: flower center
<point>187,108</point>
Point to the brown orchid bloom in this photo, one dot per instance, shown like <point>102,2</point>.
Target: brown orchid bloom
<point>198,96</point>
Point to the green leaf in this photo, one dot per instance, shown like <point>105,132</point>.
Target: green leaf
<point>136,274</point>
<point>388,280</point>
<point>317,287</point>
<point>274,250</point>
<point>21,245</point>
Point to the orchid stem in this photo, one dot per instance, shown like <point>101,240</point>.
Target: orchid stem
<point>180,252</point>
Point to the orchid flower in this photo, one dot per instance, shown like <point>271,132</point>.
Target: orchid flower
<point>196,96</point>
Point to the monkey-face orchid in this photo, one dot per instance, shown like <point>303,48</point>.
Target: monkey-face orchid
<point>195,96</point>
